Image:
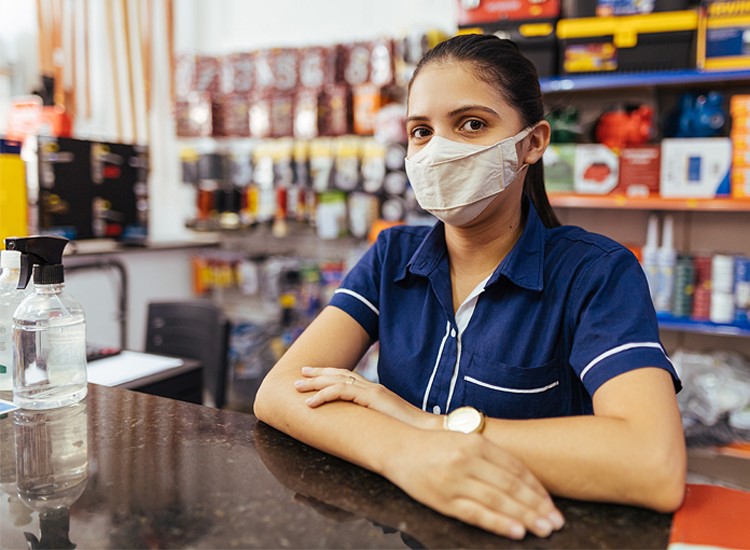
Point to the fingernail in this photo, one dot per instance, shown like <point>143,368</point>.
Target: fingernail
<point>517,531</point>
<point>556,519</point>
<point>298,383</point>
<point>306,369</point>
<point>543,527</point>
<point>308,400</point>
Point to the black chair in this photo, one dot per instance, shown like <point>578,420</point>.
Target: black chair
<point>194,330</point>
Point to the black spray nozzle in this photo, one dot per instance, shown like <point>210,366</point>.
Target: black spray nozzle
<point>44,251</point>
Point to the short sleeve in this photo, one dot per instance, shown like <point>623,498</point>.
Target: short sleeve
<point>614,324</point>
<point>359,295</point>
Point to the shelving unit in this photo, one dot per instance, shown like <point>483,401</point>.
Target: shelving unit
<point>571,200</point>
<point>682,324</point>
<point>608,81</point>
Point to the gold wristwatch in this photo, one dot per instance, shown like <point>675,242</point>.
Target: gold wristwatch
<point>466,420</point>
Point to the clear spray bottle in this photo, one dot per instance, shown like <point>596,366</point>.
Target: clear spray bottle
<point>49,330</point>
<point>10,297</point>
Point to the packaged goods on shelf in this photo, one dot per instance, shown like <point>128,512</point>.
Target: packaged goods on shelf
<point>739,109</point>
<point>605,8</point>
<point>476,12</point>
<point>596,169</point>
<point>92,189</point>
<point>639,171</point>
<point>653,42</point>
<point>695,168</point>
<point>13,196</point>
<point>722,31</point>
<point>559,167</point>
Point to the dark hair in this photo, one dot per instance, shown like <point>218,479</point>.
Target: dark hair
<point>501,64</point>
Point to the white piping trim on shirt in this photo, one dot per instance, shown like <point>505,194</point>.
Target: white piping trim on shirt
<point>511,390</point>
<point>359,297</point>
<point>619,349</point>
<point>463,316</point>
<point>437,362</point>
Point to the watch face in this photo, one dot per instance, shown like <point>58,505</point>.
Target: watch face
<point>465,419</point>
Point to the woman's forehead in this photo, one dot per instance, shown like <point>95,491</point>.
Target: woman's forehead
<point>449,85</point>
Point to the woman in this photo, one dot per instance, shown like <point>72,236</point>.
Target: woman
<point>547,330</point>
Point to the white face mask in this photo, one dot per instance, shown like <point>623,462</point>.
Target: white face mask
<point>455,181</point>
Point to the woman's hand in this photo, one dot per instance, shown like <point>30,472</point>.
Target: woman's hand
<point>472,479</point>
<point>334,384</point>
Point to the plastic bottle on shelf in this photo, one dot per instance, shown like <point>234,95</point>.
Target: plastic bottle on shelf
<point>666,261</point>
<point>49,330</point>
<point>10,297</point>
<point>650,254</point>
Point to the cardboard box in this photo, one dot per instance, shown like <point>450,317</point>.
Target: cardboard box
<point>695,168</point>
<point>490,11</point>
<point>559,168</point>
<point>741,183</point>
<point>639,171</point>
<point>596,169</point>
<point>722,31</point>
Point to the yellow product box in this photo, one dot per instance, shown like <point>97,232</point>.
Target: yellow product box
<point>13,205</point>
<point>722,28</point>
<point>739,105</point>
<point>741,183</point>
<point>649,42</point>
<point>740,157</point>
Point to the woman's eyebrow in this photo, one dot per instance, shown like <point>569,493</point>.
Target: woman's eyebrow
<point>462,110</point>
<point>419,118</point>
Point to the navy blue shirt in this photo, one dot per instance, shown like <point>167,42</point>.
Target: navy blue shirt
<point>565,311</point>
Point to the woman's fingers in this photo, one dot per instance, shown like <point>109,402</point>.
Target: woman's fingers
<point>336,392</point>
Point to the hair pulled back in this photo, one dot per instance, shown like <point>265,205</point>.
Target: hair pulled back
<point>500,63</point>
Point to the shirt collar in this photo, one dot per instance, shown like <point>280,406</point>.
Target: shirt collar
<point>523,266</point>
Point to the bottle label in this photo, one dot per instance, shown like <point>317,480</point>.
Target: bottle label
<point>66,361</point>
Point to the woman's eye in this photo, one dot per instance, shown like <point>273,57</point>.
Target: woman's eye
<point>472,125</point>
<point>420,132</point>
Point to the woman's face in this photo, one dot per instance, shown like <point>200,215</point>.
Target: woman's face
<point>447,100</point>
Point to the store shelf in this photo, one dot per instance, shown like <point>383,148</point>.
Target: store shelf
<point>638,80</point>
<point>681,324</point>
<point>570,200</point>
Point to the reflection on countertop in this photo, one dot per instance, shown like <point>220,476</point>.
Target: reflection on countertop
<point>130,470</point>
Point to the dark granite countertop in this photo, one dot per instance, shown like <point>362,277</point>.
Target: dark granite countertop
<point>129,470</point>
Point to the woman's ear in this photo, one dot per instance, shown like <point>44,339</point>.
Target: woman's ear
<point>538,141</point>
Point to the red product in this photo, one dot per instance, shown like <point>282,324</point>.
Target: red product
<point>231,116</point>
<point>639,170</point>
<point>237,74</point>
<point>282,115</point>
<point>317,67</point>
<point>474,12</point>
<point>619,128</point>
<point>336,112</point>
<point>357,63</point>
<point>207,70</point>
<point>284,68</point>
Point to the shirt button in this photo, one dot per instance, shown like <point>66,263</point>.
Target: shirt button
<point>453,333</point>
<point>436,409</point>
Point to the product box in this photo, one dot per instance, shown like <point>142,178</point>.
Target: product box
<point>723,28</point>
<point>559,167</point>
<point>639,170</point>
<point>13,207</point>
<point>596,169</point>
<point>92,189</point>
<point>695,167</point>
<point>653,42</point>
<point>477,12</point>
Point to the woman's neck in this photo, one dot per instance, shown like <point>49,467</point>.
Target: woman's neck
<point>477,250</point>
